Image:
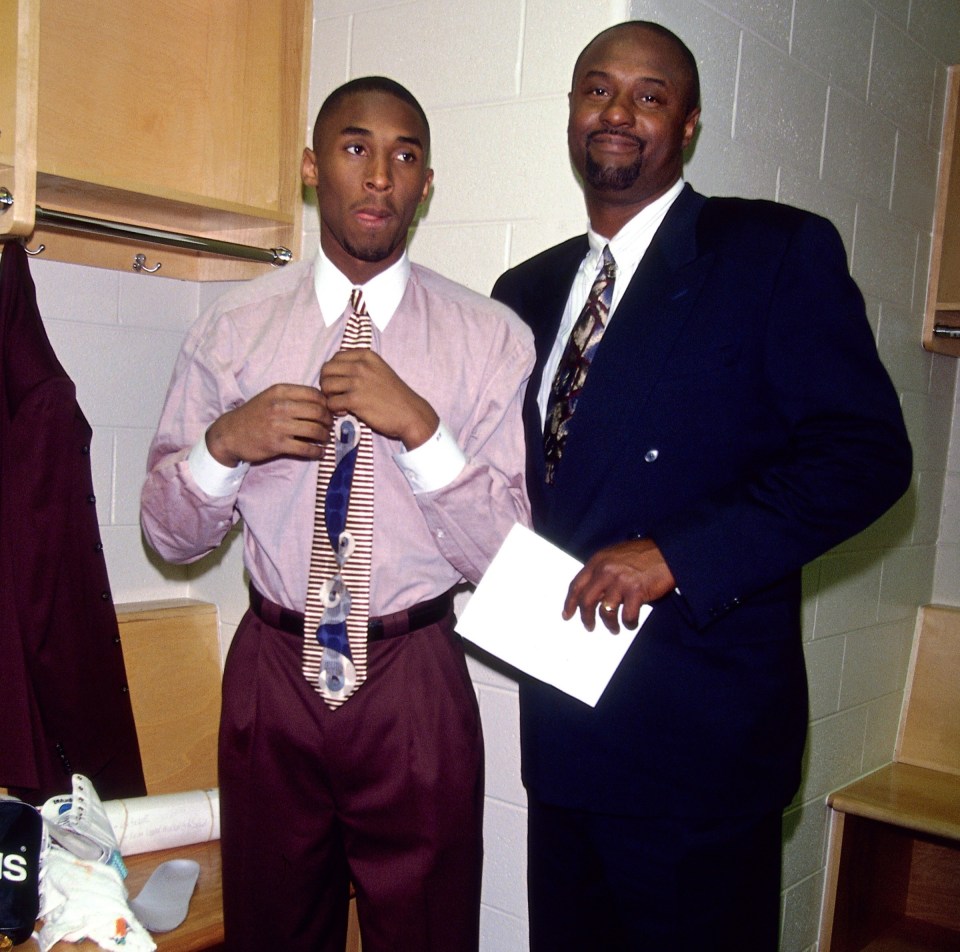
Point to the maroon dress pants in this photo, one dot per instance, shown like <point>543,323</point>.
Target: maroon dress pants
<point>385,792</point>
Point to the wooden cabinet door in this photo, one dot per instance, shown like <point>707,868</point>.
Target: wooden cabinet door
<point>188,100</point>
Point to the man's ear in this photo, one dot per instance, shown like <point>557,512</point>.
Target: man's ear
<point>308,168</point>
<point>426,187</point>
<point>690,126</point>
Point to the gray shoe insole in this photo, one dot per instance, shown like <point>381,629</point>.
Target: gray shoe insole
<point>165,898</point>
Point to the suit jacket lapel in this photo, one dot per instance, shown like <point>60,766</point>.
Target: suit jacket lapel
<point>655,306</point>
<point>644,328</point>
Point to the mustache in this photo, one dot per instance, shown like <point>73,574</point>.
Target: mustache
<point>615,132</point>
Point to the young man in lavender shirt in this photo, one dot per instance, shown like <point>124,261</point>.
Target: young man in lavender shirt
<point>384,791</point>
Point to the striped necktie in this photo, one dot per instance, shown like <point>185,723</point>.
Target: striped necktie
<point>338,590</point>
<point>575,362</point>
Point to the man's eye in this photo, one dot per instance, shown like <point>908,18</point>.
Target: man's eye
<point>407,156</point>
<point>354,148</point>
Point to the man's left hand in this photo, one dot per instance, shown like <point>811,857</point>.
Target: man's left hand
<point>628,574</point>
<point>360,382</point>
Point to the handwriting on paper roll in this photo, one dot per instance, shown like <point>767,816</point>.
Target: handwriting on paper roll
<point>164,821</point>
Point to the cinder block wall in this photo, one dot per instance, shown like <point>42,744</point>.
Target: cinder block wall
<point>830,104</point>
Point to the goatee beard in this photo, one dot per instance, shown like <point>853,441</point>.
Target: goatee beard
<point>607,179</point>
<point>367,254</point>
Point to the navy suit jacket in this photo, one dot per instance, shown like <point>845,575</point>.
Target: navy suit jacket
<point>736,412</point>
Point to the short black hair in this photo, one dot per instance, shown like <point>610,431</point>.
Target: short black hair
<point>372,84</point>
<point>690,62</point>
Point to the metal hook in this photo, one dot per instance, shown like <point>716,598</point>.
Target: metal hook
<point>138,265</point>
<point>40,250</point>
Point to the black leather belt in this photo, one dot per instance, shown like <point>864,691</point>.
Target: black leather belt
<point>378,629</point>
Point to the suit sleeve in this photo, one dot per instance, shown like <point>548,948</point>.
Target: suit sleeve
<point>846,458</point>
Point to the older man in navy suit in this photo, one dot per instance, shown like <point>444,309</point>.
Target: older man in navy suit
<point>722,420</point>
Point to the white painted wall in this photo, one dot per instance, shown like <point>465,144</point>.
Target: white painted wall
<point>830,104</point>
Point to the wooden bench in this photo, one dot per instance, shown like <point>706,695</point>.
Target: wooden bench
<point>171,651</point>
<point>893,866</point>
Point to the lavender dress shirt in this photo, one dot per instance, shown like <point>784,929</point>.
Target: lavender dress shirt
<point>470,357</point>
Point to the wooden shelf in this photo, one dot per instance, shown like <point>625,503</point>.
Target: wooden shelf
<point>915,798</point>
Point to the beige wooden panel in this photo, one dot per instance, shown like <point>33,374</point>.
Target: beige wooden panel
<point>943,289</point>
<point>929,733</point>
<point>171,651</point>
<point>19,44</point>
<point>948,292</point>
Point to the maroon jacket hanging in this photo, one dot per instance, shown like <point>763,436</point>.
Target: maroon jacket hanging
<point>64,703</point>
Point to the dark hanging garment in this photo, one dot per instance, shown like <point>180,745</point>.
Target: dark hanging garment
<point>64,704</point>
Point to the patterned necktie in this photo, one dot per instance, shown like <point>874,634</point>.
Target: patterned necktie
<point>338,590</point>
<point>575,362</point>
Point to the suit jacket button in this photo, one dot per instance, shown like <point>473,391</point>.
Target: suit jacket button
<point>650,456</point>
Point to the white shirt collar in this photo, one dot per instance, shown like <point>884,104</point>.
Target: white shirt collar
<point>629,244</point>
<point>382,293</point>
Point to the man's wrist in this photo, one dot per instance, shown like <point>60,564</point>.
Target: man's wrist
<point>434,464</point>
<point>212,476</point>
<point>422,431</point>
<point>213,439</point>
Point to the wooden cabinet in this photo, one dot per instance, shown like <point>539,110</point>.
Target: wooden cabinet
<point>893,865</point>
<point>893,871</point>
<point>179,115</point>
<point>941,326</point>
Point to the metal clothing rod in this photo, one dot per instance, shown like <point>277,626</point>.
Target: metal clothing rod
<point>116,229</point>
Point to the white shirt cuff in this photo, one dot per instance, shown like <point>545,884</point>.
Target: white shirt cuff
<point>435,464</point>
<point>212,476</point>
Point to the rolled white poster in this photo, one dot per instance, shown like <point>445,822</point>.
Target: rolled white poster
<point>163,821</point>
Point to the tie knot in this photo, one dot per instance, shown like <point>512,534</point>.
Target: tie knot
<point>608,264</point>
<point>358,304</point>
